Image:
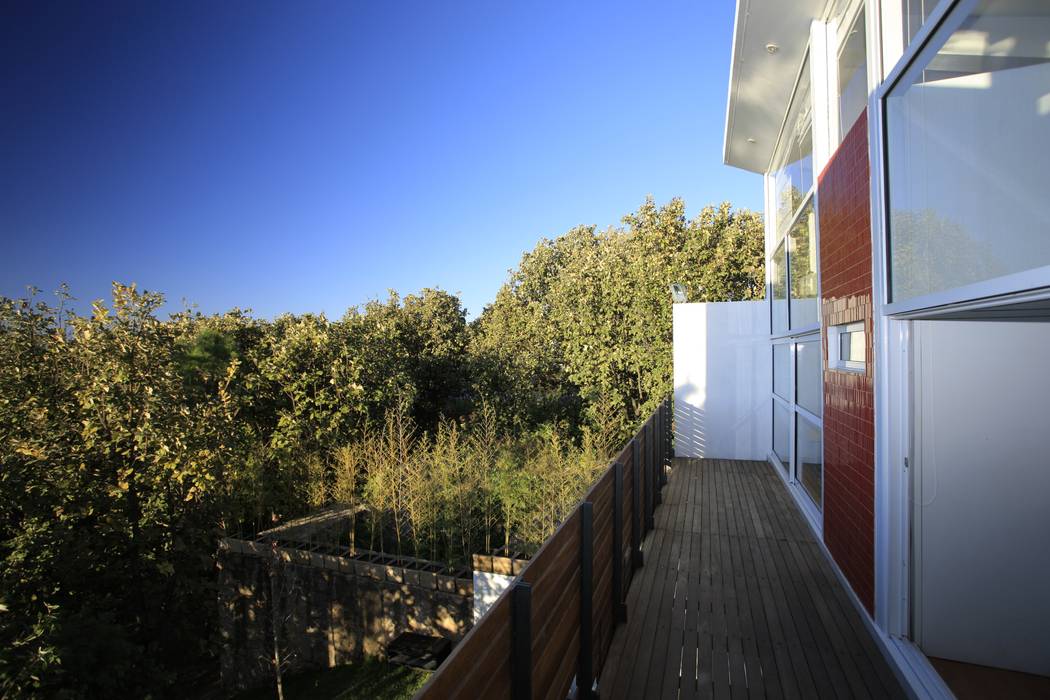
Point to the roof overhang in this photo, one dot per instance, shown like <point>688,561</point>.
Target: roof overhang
<point>761,80</point>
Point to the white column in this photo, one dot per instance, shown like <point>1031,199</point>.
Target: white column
<point>823,71</point>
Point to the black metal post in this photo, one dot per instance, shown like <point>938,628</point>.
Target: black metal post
<point>585,661</point>
<point>636,505</point>
<point>619,608</point>
<point>647,466</point>
<point>665,422</point>
<point>659,444</point>
<point>654,460</point>
<point>521,641</point>
<point>669,432</point>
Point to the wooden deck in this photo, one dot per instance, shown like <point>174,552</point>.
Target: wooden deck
<point>736,600</point>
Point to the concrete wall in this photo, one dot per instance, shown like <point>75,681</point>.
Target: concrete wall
<point>331,609</point>
<point>722,380</point>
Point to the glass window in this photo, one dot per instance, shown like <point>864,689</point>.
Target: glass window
<point>915,13</point>
<point>809,453</point>
<point>968,133</point>
<point>809,393</point>
<point>782,371</point>
<point>793,170</point>
<point>778,279</point>
<point>851,346</point>
<point>781,433</point>
<point>803,270</point>
<point>853,76</point>
<point>847,346</point>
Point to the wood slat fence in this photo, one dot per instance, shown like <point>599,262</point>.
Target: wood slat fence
<point>556,622</point>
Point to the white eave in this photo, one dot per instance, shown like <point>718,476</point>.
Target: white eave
<point>761,82</point>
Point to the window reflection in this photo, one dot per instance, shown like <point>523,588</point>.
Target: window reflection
<point>781,433</point>
<point>782,371</point>
<point>803,270</point>
<point>810,392</point>
<point>778,279</point>
<point>809,452</point>
<point>793,177</point>
<point>915,13</point>
<point>968,130</point>
<point>853,76</point>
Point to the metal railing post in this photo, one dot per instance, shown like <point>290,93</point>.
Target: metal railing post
<point>654,457</point>
<point>619,608</point>
<point>585,661</point>
<point>650,487</point>
<point>636,505</point>
<point>669,432</point>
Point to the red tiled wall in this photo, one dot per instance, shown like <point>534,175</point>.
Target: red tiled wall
<point>849,432</point>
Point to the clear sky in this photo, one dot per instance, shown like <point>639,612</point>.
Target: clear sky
<point>308,156</point>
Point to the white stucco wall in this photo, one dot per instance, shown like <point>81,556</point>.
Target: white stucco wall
<point>487,589</point>
<point>722,380</point>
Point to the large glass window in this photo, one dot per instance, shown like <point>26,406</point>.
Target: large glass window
<point>782,433</point>
<point>853,76</point>
<point>782,371</point>
<point>968,133</point>
<point>810,457</point>
<point>802,269</point>
<point>778,279</point>
<point>915,13</point>
<point>810,379</point>
<point>793,170</point>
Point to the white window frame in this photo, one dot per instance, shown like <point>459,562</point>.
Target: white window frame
<point>789,470</point>
<point>891,343</point>
<point>848,20</point>
<point>835,360</point>
<point>1027,285</point>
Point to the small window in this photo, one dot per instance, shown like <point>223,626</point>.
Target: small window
<point>847,346</point>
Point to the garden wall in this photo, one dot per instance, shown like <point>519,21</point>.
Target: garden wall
<point>331,608</point>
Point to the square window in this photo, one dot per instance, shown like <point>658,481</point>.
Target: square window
<point>847,347</point>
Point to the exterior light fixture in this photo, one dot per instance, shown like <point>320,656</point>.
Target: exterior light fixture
<point>772,48</point>
<point>678,294</point>
<point>750,140</point>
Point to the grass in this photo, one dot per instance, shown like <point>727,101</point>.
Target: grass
<point>367,679</point>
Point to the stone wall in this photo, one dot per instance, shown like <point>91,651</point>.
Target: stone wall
<point>331,608</point>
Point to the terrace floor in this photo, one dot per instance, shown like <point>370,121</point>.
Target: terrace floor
<point>736,600</point>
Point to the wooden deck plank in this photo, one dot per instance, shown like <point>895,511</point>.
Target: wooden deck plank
<point>656,642</point>
<point>736,600</point>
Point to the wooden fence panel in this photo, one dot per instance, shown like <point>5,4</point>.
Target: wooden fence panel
<point>482,664</point>
<point>479,666</point>
<point>554,574</point>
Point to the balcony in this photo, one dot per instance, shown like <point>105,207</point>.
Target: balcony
<point>720,591</point>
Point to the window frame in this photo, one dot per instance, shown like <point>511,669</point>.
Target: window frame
<point>790,470</point>
<point>835,360</point>
<point>849,20</point>
<point>809,196</point>
<point>1032,284</point>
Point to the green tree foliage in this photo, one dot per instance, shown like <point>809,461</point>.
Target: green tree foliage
<point>581,332</point>
<point>129,444</point>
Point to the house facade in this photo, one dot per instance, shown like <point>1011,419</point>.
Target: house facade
<point>904,147</point>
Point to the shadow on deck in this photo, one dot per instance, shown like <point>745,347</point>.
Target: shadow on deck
<point>737,600</point>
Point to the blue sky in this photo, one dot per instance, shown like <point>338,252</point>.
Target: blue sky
<point>309,156</point>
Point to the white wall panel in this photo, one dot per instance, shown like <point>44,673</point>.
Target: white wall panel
<point>722,380</point>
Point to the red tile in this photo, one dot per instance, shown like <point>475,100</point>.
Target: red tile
<point>845,270</point>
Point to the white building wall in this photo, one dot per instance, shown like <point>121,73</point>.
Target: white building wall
<point>722,380</point>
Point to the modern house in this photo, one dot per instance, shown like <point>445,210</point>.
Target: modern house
<point>858,503</point>
<point>904,147</point>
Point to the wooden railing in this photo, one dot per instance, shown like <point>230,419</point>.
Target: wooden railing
<point>556,621</point>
